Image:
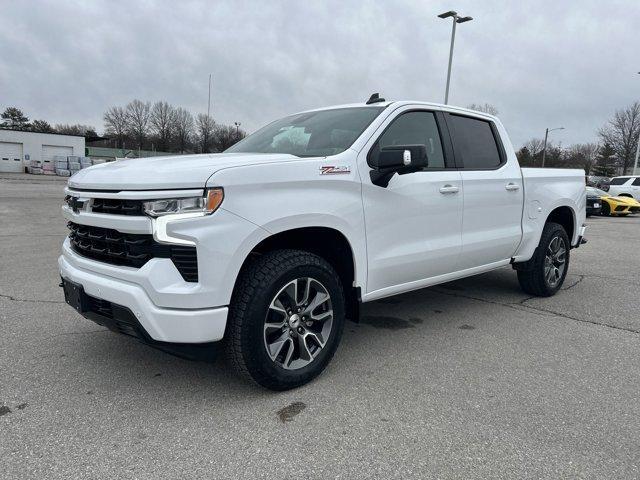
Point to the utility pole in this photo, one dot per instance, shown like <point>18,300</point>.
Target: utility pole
<point>456,19</point>
<point>546,135</point>
<point>209,102</point>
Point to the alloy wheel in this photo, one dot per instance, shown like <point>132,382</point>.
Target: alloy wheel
<point>555,261</point>
<point>298,323</point>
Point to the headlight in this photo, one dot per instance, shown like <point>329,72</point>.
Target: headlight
<point>206,205</point>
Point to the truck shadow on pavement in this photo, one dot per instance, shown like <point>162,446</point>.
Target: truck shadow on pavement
<point>430,311</point>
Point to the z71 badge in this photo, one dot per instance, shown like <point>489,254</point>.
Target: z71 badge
<point>334,170</point>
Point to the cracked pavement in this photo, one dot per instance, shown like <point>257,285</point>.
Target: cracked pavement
<point>470,379</point>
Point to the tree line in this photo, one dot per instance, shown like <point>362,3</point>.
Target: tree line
<point>615,151</point>
<point>143,126</point>
<point>161,126</point>
<point>14,119</point>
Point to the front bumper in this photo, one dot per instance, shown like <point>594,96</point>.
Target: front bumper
<point>174,325</point>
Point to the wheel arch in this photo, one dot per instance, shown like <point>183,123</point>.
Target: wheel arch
<point>327,242</point>
<point>565,216</point>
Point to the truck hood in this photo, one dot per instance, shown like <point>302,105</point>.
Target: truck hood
<point>159,173</point>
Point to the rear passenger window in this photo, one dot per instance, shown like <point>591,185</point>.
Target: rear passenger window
<point>619,181</point>
<point>414,128</point>
<point>636,182</point>
<point>473,140</point>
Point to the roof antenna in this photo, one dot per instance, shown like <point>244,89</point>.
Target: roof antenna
<point>375,98</point>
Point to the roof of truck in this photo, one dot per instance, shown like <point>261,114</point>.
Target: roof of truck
<point>400,103</point>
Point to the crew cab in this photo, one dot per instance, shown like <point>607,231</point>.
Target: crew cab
<point>266,249</point>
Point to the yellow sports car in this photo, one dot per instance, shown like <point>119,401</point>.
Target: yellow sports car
<point>618,206</point>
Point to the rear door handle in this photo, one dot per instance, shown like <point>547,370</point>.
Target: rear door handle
<point>449,189</point>
<point>512,186</point>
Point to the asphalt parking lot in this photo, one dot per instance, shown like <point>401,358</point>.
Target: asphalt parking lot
<point>471,379</point>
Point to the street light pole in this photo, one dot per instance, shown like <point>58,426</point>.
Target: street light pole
<point>456,19</point>
<point>635,164</point>
<point>546,135</point>
<point>209,101</point>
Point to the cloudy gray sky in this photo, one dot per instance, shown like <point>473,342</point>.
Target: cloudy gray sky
<point>541,63</point>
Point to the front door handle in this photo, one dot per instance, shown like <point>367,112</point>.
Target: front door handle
<point>449,189</point>
<point>512,186</point>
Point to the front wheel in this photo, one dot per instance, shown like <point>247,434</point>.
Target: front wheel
<point>286,319</point>
<point>544,274</point>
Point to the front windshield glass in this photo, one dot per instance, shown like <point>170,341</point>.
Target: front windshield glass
<point>597,191</point>
<point>311,134</point>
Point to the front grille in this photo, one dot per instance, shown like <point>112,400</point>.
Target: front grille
<point>131,250</point>
<point>115,206</point>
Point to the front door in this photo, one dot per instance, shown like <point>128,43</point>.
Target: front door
<point>413,226</point>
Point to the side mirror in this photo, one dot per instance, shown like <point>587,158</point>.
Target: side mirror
<point>400,159</point>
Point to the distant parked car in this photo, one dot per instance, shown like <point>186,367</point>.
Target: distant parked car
<point>616,206</point>
<point>594,202</point>
<point>599,182</point>
<point>625,187</point>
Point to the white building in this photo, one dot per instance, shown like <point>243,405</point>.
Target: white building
<point>18,148</point>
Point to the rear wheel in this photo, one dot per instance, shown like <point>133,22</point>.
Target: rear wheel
<point>544,274</point>
<point>286,319</point>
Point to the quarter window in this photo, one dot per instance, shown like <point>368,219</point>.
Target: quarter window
<point>414,128</point>
<point>636,182</point>
<point>474,142</point>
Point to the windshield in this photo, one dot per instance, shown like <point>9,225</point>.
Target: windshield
<point>597,191</point>
<point>312,134</point>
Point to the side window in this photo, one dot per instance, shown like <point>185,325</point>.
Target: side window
<point>636,182</point>
<point>619,181</point>
<point>473,140</point>
<point>414,128</point>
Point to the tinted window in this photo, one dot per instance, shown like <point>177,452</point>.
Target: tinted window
<point>636,181</point>
<point>619,181</point>
<point>474,142</point>
<point>414,128</point>
<point>311,134</point>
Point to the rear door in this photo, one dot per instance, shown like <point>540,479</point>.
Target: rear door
<point>413,225</point>
<point>493,192</point>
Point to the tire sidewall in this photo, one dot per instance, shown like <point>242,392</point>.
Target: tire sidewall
<point>257,360</point>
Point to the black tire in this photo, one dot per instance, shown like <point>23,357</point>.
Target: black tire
<point>606,210</point>
<point>531,274</point>
<point>258,284</point>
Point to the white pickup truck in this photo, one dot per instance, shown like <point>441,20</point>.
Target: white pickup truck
<point>268,247</point>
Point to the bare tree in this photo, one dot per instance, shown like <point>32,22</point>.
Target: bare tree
<point>205,126</point>
<point>584,155</point>
<point>227,135</point>
<point>182,128</point>
<point>115,123</point>
<point>77,129</point>
<point>161,120</point>
<point>138,114</point>
<point>621,132</point>
<point>486,108</point>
